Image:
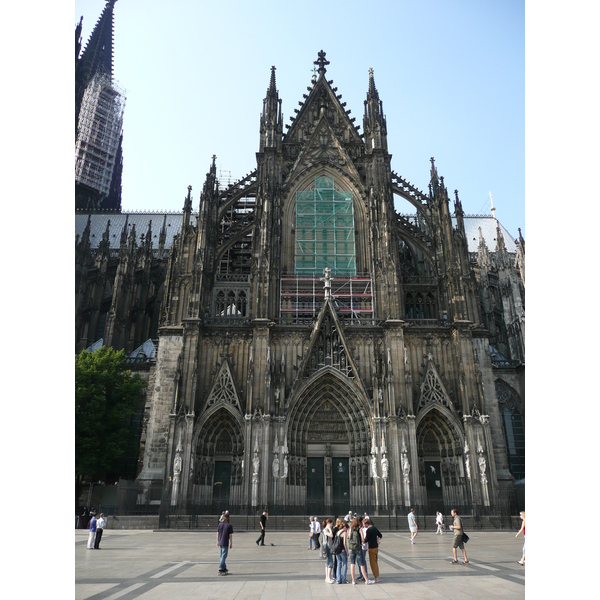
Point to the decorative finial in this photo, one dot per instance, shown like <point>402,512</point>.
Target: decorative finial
<point>321,62</point>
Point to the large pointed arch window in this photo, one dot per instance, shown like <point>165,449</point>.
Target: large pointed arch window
<point>324,230</point>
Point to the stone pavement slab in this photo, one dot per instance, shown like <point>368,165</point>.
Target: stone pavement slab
<point>149,565</point>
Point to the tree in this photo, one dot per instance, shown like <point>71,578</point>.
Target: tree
<point>106,397</point>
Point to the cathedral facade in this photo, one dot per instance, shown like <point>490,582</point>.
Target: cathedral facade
<point>308,348</point>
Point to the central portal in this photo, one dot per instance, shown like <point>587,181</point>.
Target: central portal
<point>340,482</point>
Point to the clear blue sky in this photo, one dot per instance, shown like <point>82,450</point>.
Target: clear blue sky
<point>451,76</point>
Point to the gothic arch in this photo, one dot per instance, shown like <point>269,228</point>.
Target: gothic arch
<point>329,386</point>
<point>345,182</point>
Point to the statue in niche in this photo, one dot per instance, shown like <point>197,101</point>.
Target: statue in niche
<point>374,467</point>
<point>256,462</point>
<point>482,466</point>
<point>285,466</point>
<point>385,467</point>
<point>405,466</point>
<point>352,470</point>
<point>276,467</point>
<point>177,465</point>
<point>328,469</point>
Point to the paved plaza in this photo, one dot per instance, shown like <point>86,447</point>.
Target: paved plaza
<point>150,565</point>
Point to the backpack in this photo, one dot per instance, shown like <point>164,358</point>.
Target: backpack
<point>337,545</point>
<point>354,542</point>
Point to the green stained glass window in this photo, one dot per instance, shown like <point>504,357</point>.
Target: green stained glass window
<point>324,230</point>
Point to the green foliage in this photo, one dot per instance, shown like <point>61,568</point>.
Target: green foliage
<point>106,397</point>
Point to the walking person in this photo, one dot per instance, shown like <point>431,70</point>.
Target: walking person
<point>372,537</point>
<point>439,521</point>
<point>522,530</point>
<point>412,525</point>
<point>263,528</point>
<point>327,538</point>
<point>342,557</point>
<point>224,542</point>
<point>356,553</point>
<point>92,536</point>
<point>457,541</point>
<point>100,525</point>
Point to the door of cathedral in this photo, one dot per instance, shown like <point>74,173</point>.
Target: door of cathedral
<point>433,482</point>
<point>315,485</point>
<point>221,484</point>
<point>341,486</point>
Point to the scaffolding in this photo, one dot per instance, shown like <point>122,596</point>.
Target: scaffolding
<point>324,230</point>
<point>99,131</point>
<point>302,297</point>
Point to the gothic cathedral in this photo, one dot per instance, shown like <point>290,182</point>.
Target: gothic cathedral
<point>308,348</point>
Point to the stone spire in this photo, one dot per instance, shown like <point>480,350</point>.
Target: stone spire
<point>374,121</point>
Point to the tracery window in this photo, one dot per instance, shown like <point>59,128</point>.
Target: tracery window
<point>324,230</point>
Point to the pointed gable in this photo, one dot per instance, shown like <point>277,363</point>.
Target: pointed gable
<point>322,102</point>
<point>224,389</point>
<point>328,347</point>
<point>432,389</point>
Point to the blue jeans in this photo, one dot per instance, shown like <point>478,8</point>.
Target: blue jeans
<point>311,542</point>
<point>224,550</point>
<point>328,555</point>
<point>342,567</point>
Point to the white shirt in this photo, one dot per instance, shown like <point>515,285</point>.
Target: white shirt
<point>101,524</point>
<point>317,527</point>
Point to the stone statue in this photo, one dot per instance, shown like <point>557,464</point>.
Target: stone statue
<point>177,465</point>
<point>256,462</point>
<point>276,467</point>
<point>482,465</point>
<point>385,467</point>
<point>285,466</point>
<point>374,467</point>
<point>467,466</point>
<point>405,466</point>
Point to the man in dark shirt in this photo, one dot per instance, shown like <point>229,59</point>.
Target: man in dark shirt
<point>224,542</point>
<point>263,527</point>
<point>372,537</point>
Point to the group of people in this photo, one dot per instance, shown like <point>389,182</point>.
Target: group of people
<point>351,539</point>
<point>96,528</point>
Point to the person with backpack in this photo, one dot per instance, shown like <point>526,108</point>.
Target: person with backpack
<point>327,537</point>
<point>356,553</point>
<point>340,550</point>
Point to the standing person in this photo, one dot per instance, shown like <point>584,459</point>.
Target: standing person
<point>522,530</point>
<point>327,537</point>
<point>263,528</point>
<point>100,525</point>
<point>372,537</point>
<point>311,533</point>
<point>364,546</point>
<point>342,557</point>
<point>317,533</point>
<point>224,542</point>
<point>439,521</point>
<point>356,553</point>
<point>457,541</point>
<point>412,525</point>
<point>92,537</point>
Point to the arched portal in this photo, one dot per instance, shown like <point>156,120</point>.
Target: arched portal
<point>440,443</point>
<point>217,458</point>
<point>329,433</point>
